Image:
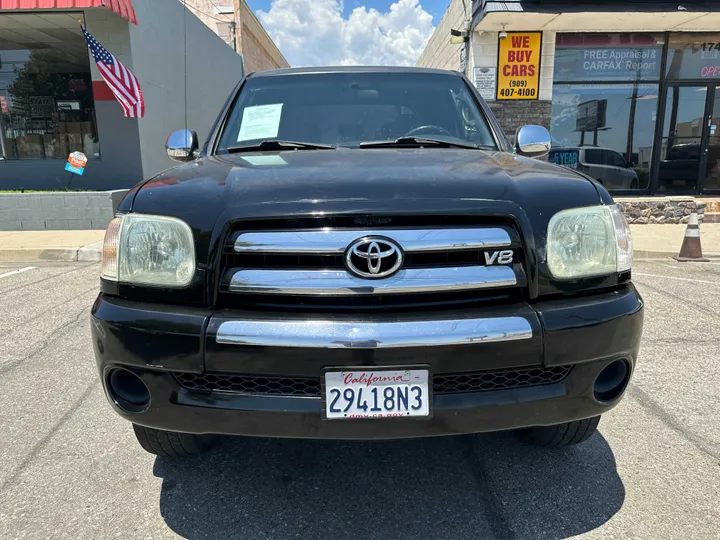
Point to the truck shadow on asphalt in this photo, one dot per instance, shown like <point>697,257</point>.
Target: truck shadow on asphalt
<point>477,486</point>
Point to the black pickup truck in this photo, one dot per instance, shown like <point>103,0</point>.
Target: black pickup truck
<point>359,253</point>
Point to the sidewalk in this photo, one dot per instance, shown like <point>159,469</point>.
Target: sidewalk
<point>660,241</point>
<point>649,241</point>
<point>37,246</point>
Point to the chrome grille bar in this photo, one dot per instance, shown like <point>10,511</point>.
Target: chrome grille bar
<point>372,335</point>
<point>341,283</point>
<point>333,241</point>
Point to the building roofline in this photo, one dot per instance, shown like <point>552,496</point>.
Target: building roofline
<point>480,8</point>
<point>352,69</point>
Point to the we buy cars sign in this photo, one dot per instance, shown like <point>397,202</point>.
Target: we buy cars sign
<point>519,65</point>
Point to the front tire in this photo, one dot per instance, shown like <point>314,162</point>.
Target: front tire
<point>560,435</point>
<point>171,443</point>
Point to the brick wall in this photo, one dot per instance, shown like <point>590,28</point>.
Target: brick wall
<point>253,42</point>
<point>514,114</point>
<point>257,47</point>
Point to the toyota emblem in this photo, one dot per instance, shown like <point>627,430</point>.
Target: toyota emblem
<point>373,257</point>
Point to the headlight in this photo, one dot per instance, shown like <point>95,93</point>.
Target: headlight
<point>588,241</point>
<point>149,250</point>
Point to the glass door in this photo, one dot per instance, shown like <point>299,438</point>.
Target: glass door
<point>710,180</point>
<point>683,143</point>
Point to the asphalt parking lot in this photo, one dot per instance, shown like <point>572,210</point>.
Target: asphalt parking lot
<point>69,468</point>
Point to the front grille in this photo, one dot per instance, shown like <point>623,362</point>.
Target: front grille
<point>443,384</point>
<point>251,384</point>
<point>461,383</point>
<point>300,263</point>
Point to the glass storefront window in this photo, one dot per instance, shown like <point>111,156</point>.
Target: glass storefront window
<point>694,56</point>
<point>608,57</point>
<point>613,128</point>
<point>46,104</point>
<point>681,143</point>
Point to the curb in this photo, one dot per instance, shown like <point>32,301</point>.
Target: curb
<point>90,253</point>
<point>644,254</point>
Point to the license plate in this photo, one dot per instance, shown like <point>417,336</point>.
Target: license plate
<point>377,393</point>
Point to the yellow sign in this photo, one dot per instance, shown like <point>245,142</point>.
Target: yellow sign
<point>519,66</point>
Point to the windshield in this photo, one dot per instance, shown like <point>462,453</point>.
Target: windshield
<point>346,109</point>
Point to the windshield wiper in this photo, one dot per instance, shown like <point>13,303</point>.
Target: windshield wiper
<point>417,142</point>
<point>274,144</point>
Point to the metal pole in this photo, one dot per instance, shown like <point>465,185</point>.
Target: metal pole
<point>3,150</point>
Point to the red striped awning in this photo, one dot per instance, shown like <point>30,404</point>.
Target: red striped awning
<point>124,8</point>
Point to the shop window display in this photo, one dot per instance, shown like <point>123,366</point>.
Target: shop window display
<point>46,103</point>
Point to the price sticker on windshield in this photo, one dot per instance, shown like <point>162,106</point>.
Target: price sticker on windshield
<point>260,122</point>
<point>519,65</point>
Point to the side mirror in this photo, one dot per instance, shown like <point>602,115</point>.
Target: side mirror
<point>532,141</point>
<point>182,145</point>
<point>630,164</point>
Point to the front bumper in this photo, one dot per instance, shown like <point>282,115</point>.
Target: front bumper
<point>156,341</point>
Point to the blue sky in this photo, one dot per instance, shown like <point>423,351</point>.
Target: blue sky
<point>436,8</point>
<point>350,32</point>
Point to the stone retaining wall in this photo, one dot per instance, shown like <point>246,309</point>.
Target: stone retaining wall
<point>662,210</point>
<point>68,210</point>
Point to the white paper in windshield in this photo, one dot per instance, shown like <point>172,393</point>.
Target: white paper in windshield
<point>260,122</point>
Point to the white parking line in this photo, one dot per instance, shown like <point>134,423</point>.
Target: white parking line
<point>18,271</point>
<point>671,277</point>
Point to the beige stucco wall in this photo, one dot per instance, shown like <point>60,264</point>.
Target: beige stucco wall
<point>258,49</point>
<point>439,52</point>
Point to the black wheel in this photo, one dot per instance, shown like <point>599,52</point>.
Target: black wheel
<point>171,443</point>
<point>561,434</point>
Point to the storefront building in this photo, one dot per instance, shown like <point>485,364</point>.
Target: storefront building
<point>53,100</point>
<point>630,91</point>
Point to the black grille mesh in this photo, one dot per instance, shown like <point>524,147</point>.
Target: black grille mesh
<point>460,383</point>
<point>251,384</point>
<point>452,383</point>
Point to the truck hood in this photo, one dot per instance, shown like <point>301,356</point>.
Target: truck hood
<point>211,191</point>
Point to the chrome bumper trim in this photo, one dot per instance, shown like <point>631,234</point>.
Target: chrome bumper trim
<point>341,283</point>
<point>325,241</point>
<point>383,335</point>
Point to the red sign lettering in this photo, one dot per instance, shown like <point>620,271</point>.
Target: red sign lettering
<point>519,56</point>
<point>368,379</point>
<point>518,71</point>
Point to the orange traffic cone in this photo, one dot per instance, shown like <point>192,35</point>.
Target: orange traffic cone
<point>691,250</point>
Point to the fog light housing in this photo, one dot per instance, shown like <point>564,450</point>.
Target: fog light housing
<point>127,390</point>
<point>612,381</point>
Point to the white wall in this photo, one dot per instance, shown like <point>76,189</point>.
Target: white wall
<point>159,61</point>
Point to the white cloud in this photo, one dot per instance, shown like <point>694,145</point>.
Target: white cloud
<point>314,32</point>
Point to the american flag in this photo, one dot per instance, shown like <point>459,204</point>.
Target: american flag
<point>124,85</point>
